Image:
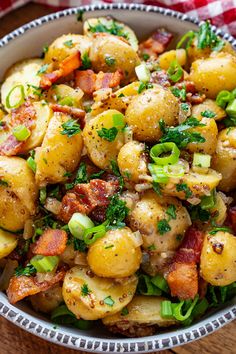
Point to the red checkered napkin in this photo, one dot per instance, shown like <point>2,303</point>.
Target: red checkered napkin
<point>221,12</point>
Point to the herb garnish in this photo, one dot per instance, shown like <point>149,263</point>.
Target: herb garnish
<point>109,301</point>
<point>85,291</point>
<point>184,187</point>
<point>86,62</point>
<point>113,28</point>
<point>27,271</point>
<point>43,69</point>
<point>70,128</point>
<point>171,211</point>
<point>116,212</point>
<point>69,43</point>
<point>208,114</point>
<point>108,134</point>
<point>109,60</point>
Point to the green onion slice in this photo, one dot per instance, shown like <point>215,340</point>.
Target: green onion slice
<point>143,73</point>
<point>201,160</point>
<point>208,201</point>
<point>224,97</point>
<point>177,309</point>
<point>175,72</point>
<point>164,148</point>
<point>187,38</point>
<point>118,120</point>
<point>160,282</point>
<point>44,264</point>
<point>94,233</point>
<point>166,309</point>
<point>174,171</point>
<point>67,101</point>
<point>146,287</point>
<point>158,173</point>
<point>31,163</point>
<point>78,224</point>
<point>42,195</point>
<point>21,133</point>
<point>231,109</point>
<point>17,95</point>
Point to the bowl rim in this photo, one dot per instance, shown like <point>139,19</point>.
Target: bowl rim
<point>88,343</point>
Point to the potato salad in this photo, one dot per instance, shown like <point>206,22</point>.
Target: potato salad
<point>118,177</point>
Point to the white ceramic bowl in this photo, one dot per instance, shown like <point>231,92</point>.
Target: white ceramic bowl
<point>27,41</point>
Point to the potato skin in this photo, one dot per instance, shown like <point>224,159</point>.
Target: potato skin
<point>92,306</point>
<point>58,51</point>
<point>166,58</point>
<point>8,243</point>
<point>214,74</point>
<point>47,301</point>
<point>145,111</point>
<point>132,161</point>
<point>148,211</point>
<point>99,150</point>
<point>108,46</point>
<point>58,154</point>
<point>17,202</point>
<point>224,160</point>
<point>115,255</point>
<point>208,105</point>
<point>218,259</point>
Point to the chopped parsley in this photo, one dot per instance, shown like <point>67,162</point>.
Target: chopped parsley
<point>37,90</point>
<point>179,93</point>
<point>151,248</point>
<point>163,226</point>
<point>146,56</point>
<point>67,174</point>
<point>144,86</point>
<point>113,28</point>
<point>43,69</point>
<point>109,301</point>
<point>79,245</point>
<point>108,134</point>
<point>81,175</point>
<point>85,291</point>
<point>124,311</point>
<point>206,38</point>
<point>27,271</point>
<point>110,61</point>
<point>157,188</point>
<point>86,62</point>
<point>197,213</point>
<point>184,107</point>
<point>180,134</point>
<point>69,43</point>
<point>96,175</point>
<point>115,168</point>
<point>109,246</point>
<point>183,187</point>
<point>208,114</point>
<point>3,182</point>
<point>116,212</point>
<point>79,16</point>
<point>171,211</point>
<point>70,128</point>
<point>45,48</point>
<point>222,228</point>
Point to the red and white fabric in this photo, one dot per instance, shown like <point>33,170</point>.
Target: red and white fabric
<point>222,13</point>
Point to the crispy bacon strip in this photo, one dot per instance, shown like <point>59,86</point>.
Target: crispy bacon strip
<point>231,218</point>
<point>192,96</point>
<point>67,66</point>
<point>72,111</point>
<point>157,43</point>
<point>23,286</point>
<point>51,243</point>
<point>183,275</point>
<point>89,82</point>
<point>85,197</point>
<point>25,115</point>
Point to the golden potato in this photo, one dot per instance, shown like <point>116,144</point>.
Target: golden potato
<point>214,74</point>
<point>115,255</point>
<point>218,259</point>
<point>58,154</point>
<point>90,297</point>
<point>65,95</point>
<point>18,193</point>
<point>8,243</point>
<point>220,209</point>
<point>22,73</point>
<point>100,150</point>
<point>66,45</point>
<point>224,160</point>
<point>146,216</point>
<point>145,111</point>
<point>108,23</point>
<point>167,58</point>
<point>47,301</point>
<point>208,105</point>
<point>209,132</point>
<point>109,53</point>
<point>144,314</point>
<point>132,161</point>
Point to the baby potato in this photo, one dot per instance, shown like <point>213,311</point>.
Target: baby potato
<point>149,212</point>
<point>91,297</point>
<point>209,131</point>
<point>167,58</point>
<point>146,109</point>
<point>18,193</point>
<point>218,259</point>
<point>22,73</point>
<point>143,317</point>
<point>66,45</point>
<point>101,151</point>
<point>109,53</point>
<point>115,255</point>
<point>214,74</point>
<point>220,209</point>
<point>91,26</point>
<point>8,243</point>
<point>208,105</point>
<point>61,93</point>
<point>58,154</point>
<point>132,161</point>
<point>47,301</point>
<point>224,160</point>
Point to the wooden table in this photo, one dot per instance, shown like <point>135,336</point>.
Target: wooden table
<point>16,341</point>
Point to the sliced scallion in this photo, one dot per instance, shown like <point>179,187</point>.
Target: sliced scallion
<point>94,233</point>
<point>174,171</point>
<point>165,148</point>
<point>18,93</point>
<point>118,120</point>
<point>160,282</point>
<point>143,73</point>
<point>66,101</point>
<point>21,132</point>
<point>166,309</point>
<point>223,98</point>
<point>78,224</point>
<point>231,109</point>
<point>42,195</point>
<point>31,163</point>
<point>158,174</point>
<point>175,72</point>
<point>177,309</point>
<point>44,264</point>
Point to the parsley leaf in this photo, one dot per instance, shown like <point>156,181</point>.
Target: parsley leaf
<point>43,69</point>
<point>124,311</point>
<point>70,128</point>
<point>109,60</point>
<point>183,187</point>
<point>208,114</point>
<point>157,188</point>
<point>179,93</point>
<point>221,228</point>
<point>96,175</point>
<point>27,271</point>
<point>69,43</point>
<point>144,86</point>
<point>109,301</point>
<point>113,28</point>
<point>206,38</point>
<point>79,245</point>
<point>85,291</point>
<point>3,182</point>
<point>146,56</point>
<point>108,134</point>
<point>86,62</point>
<point>185,107</point>
<point>163,226</point>
<point>116,212</point>
<point>80,14</point>
<point>171,211</point>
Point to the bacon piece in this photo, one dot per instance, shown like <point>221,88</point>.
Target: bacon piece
<point>72,111</point>
<point>192,96</point>
<point>160,77</point>
<point>67,66</point>
<point>183,275</point>
<point>89,82</point>
<point>23,286</point>
<point>231,218</point>
<point>157,43</point>
<point>51,243</point>
<point>85,197</point>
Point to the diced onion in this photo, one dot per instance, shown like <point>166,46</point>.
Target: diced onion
<point>143,73</point>
<point>53,205</point>
<point>78,224</point>
<point>201,160</point>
